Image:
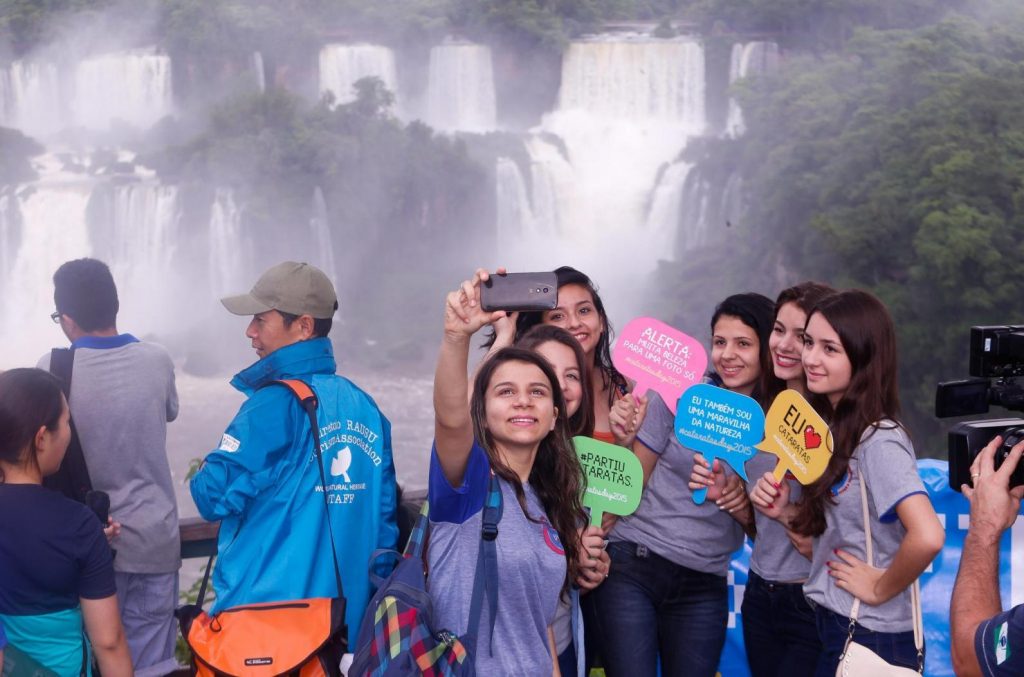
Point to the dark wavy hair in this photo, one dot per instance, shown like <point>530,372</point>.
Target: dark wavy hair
<point>582,422</point>
<point>757,312</point>
<point>805,296</point>
<point>611,379</point>
<point>557,476</point>
<point>868,335</point>
<point>30,399</point>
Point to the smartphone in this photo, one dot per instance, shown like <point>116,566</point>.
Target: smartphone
<point>519,291</point>
<point>99,502</point>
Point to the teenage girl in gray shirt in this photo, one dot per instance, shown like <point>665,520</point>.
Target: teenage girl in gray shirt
<point>849,359</point>
<point>779,632</point>
<point>666,595</point>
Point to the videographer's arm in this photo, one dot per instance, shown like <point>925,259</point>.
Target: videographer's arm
<point>994,508</point>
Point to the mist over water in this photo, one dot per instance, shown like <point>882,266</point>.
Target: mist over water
<point>597,181</point>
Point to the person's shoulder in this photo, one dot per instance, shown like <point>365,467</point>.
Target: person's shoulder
<point>153,351</point>
<point>346,386</point>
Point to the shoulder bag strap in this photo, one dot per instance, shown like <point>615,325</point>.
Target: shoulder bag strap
<point>485,581</point>
<point>915,589</point>
<point>307,398</point>
<point>72,478</point>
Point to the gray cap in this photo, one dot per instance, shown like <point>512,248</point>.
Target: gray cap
<point>290,287</point>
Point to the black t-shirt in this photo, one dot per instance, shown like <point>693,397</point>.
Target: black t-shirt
<point>999,643</point>
<point>52,552</point>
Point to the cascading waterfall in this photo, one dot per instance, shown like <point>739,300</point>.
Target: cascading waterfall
<point>30,97</point>
<point>515,216</point>
<point>259,75</point>
<point>341,65</point>
<point>134,86</point>
<point>628,106</point>
<point>663,218</point>
<point>230,254</point>
<point>460,88</point>
<point>144,236</point>
<point>320,230</point>
<point>9,237</point>
<point>752,58</point>
<point>52,215</point>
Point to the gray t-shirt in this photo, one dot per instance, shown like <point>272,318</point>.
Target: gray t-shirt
<point>531,569</point>
<point>122,397</point>
<point>885,460</point>
<point>668,522</point>
<point>774,558</point>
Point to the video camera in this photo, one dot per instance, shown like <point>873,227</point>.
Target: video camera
<point>997,352</point>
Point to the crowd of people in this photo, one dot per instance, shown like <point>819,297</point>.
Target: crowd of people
<point>834,563</point>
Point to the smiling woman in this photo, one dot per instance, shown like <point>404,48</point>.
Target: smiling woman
<point>515,428</point>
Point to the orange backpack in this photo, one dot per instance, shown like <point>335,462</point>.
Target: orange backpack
<point>303,638</point>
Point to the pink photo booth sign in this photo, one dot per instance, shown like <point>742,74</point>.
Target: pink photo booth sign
<point>659,358</point>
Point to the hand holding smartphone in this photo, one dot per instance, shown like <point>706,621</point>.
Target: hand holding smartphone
<point>519,292</point>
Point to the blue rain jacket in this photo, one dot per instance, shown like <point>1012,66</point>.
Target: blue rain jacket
<point>263,483</point>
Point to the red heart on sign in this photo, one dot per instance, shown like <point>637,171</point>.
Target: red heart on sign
<point>812,440</point>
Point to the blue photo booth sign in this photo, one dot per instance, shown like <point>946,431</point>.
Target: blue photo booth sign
<point>936,583</point>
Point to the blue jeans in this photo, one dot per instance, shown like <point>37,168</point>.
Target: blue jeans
<point>894,647</point>
<point>779,629</point>
<point>649,606</point>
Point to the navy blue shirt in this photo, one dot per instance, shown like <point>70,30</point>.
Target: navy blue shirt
<point>999,643</point>
<point>52,552</point>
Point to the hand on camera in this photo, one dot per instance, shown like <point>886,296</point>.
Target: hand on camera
<point>112,530</point>
<point>994,505</point>
<point>463,315</point>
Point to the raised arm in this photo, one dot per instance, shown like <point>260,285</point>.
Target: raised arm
<point>453,425</point>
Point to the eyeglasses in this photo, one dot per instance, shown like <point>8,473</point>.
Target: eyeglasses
<point>55,316</point>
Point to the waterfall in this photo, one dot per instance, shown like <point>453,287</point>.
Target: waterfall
<point>140,250</point>
<point>30,97</point>
<point>320,230</point>
<point>230,254</point>
<point>10,237</point>
<point>258,73</point>
<point>664,217</point>
<point>52,213</point>
<point>133,86</point>
<point>627,107</point>
<point>752,58</point>
<point>515,216</point>
<point>460,88</point>
<point>342,65</point>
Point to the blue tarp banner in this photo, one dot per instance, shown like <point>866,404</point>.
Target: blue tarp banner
<point>936,583</point>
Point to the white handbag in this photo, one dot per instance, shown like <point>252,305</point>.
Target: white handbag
<point>859,661</point>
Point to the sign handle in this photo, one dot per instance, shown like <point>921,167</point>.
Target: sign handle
<point>780,471</point>
<point>700,495</point>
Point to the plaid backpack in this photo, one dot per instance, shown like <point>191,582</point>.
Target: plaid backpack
<point>398,635</point>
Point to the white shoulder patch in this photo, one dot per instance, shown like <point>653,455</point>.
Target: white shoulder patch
<point>229,443</point>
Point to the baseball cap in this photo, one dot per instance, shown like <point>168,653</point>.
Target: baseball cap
<point>290,287</point>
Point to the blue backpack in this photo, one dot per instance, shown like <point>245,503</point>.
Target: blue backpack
<point>399,635</point>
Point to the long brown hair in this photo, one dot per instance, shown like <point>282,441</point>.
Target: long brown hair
<point>557,476</point>
<point>582,422</point>
<point>868,335</point>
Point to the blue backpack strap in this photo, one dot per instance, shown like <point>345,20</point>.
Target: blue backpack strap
<point>485,581</point>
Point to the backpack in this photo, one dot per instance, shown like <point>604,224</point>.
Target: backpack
<point>303,637</point>
<point>72,477</point>
<point>398,635</point>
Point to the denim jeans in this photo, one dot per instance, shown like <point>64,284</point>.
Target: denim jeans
<point>649,606</point>
<point>779,629</point>
<point>894,647</point>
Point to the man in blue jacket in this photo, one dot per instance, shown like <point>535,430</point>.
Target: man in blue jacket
<point>263,482</point>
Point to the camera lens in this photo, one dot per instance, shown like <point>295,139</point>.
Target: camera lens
<point>545,290</point>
